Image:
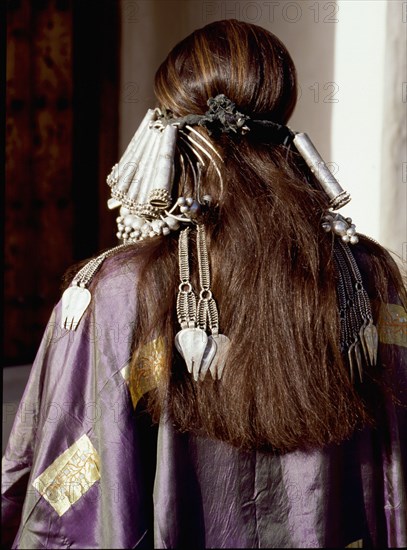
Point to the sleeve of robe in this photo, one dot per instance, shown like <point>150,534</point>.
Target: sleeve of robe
<point>74,467</point>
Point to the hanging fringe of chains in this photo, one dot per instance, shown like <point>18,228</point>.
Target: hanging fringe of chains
<point>358,334</point>
<point>207,309</point>
<point>186,300</point>
<point>76,298</point>
<point>199,351</point>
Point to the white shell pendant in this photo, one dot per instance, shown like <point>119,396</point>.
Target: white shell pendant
<point>192,342</point>
<point>178,345</point>
<point>75,301</point>
<point>218,363</point>
<point>359,361</point>
<point>207,359</point>
<point>363,341</point>
<point>372,340</point>
<point>351,362</point>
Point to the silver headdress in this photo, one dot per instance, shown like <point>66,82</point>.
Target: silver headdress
<point>142,186</point>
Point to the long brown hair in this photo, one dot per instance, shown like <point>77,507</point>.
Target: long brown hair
<point>285,384</point>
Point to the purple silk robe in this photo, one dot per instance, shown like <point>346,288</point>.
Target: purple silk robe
<point>85,468</point>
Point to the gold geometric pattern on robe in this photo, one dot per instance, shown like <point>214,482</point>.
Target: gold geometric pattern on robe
<point>147,369</point>
<point>392,325</point>
<point>70,476</point>
<point>356,544</point>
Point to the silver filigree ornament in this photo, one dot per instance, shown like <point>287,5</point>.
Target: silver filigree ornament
<point>141,182</point>
<point>343,227</point>
<point>358,334</point>
<point>199,351</point>
<point>77,297</point>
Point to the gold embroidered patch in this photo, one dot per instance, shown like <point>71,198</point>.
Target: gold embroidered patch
<point>147,369</point>
<point>70,476</point>
<point>356,544</point>
<point>392,325</point>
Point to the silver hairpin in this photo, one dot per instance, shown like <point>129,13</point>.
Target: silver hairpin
<point>206,141</point>
<point>186,138</point>
<point>207,154</point>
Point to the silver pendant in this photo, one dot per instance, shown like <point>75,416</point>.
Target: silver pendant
<point>75,301</point>
<point>191,342</point>
<point>355,360</point>
<point>222,349</point>
<point>372,340</point>
<point>178,346</point>
<point>351,362</point>
<point>210,352</point>
<point>359,360</point>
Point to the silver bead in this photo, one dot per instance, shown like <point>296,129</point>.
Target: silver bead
<point>124,211</point>
<point>189,201</point>
<point>127,229</point>
<point>119,219</point>
<point>351,231</point>
<point>184,209</point>
<point>345,238</point>
<point>120,227</point>
<point>349,220</point>
<point>156,227</point>
<point>152,234</point>
<point>166,230</point>
<point>207,199</point>
<point>172,223</point>
<point>194,209</point>
<point>326,226</point>
<point>181,201</point>
<point>119,235</point>
<point>340,227</point>
<point>128,220</point>
<point>137,223</point>
<point>354,239</point>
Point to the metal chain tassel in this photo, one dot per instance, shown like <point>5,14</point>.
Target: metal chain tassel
<point>190,341</point>
<point>218,345</point>
<point>186,301</point>
<point>200,352</point>
<point>76,298</point>
<point>359,338</point>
